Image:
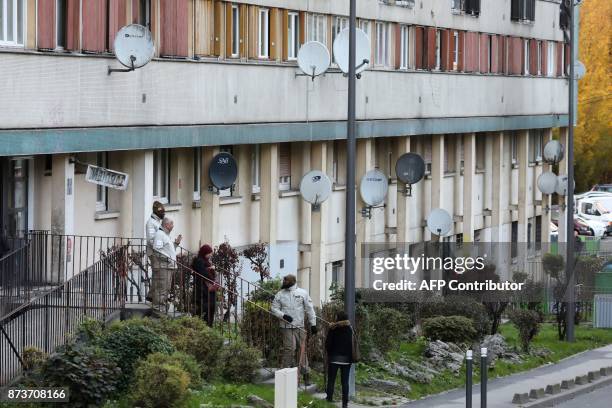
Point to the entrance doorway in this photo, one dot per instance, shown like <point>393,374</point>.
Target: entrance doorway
<point>14,196</point>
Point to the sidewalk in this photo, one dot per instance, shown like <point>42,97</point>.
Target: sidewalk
<point>501,390</point>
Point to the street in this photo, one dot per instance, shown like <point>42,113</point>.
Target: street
<point>596,399</point>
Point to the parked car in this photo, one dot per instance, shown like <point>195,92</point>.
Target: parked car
<point>597,228</point>
<point>596,207</point>
<point>580,227</point>
<point>602,187</point>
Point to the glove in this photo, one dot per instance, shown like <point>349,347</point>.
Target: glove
<point>287,318</point>
<point>313,330</point>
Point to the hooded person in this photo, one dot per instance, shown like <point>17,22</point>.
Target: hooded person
<point>153,225</point>
<point>339,348</point>
<point>206,285</point>
<point>293,306</point>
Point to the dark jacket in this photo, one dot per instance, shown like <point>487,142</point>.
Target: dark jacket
<point>339,342</point>
<point>204,268</point>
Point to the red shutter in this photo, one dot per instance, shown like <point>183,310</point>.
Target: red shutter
<point>431,48</point>
<point>533,57</point>
<point>94,25</point>
<point>398,46</point>
<point>461,52</point>
<point>174,34</point>
<point>544,53</point>
<point>117,18</point>
<point>469,52</point>
<point>494,68</point>
<point>484,53</point>
<point>559,59</point>
<point>46,24</point>
<point>418,42</point>
<point>501,57</point>
<point>515,56</point>
<point>567,61</point>
<point>446,63</point>
<point>135,11</point>
<point>73,24</point>
<point>451,50</point>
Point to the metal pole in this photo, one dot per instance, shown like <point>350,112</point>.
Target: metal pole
<point>483,377</point>
<point>349,251</point>
<point>468,378</point>
<point>569,265</point>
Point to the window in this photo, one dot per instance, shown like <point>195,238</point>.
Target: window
<point>228,192</point>
<point>481,146</point>
<point>471,7</point>
<point>404,47</point>
<point>449,154</point>
<point>490,55</point>
<point>161,175</point>
<point>339,24</point>
<point>527,57</point>
<point>458,241</point>
<point>235,31</point>
<point>438,50</point>
<point>293,35</point>
<point>101,191</point>
<point>144,13</point>
<point>337,271</point>
<point>263,34</point>
<point>284,166</point>
<point>514,240</point>
<point>317,28</point>
<point>197,174</point>
<point>255,170</point>
<point>551,59</point>
<point>538,232</point>
<point>522,10</point>
<point>382,44</point>
<point>536,140</point>
<point>365,27</point>
<point>12,15</point>
<point>456,50</point>
<point>60,24</point>
<point>514,148</point>
<point>458,6</point>
<point>427,147</point>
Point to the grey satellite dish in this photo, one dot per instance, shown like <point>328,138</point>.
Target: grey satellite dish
<point>223,171</point>
<point>315,187</point>
<point>439,222</point>
<point>313,59</point>
<point>579,70</point>
<point>547,182</point>
<point>553,152</point>
<point>373,188</point>
<point>410,168</point>
<point>561,188</point>
<point>362,47</point>
<point>134,46</point>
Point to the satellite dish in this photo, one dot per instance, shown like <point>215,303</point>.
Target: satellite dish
<point>553,152</point>
<point>410,168</point>
<point>547,182</point>
<point>134,46</point>
<point>313,58</point>
<point>561,188</point>
<point>579,70</point>
<point>315,187</point>
<point>373,188</point>
<point>439,222</point>
<point>362,47</point>
<point>223,171</point>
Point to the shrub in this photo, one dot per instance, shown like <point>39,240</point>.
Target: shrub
<point>459,306</point>
<point>128,341</point>
<point>33,358</point>
<point>240,362</point>
<point>266,290</point>
<point>160,382</point>
<point>90,329</point>
<point>88,372</point>
<point>527,323</point>
<point>258,328</point>
<point>182,360</point>
<point>387,326</point>
<point>456,329</point>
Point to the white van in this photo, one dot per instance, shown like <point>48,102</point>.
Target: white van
<point>596,207</point>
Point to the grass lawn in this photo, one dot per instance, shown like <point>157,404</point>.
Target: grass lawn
<point>586,338</point>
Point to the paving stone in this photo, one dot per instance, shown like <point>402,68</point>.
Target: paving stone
<point>537,393</point>
<point>520,398</point>
<point>594,376</point>
<point>553,389</point>
<point>567,384</point>
<point>582,380</point>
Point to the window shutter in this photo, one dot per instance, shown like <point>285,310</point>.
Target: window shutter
<point>484,53</point>
<point>284,35</point>
<point>182,28</point>
<point>174,28</point>
<point>273,22</point>
<point>94,25</point>
<point>284,160</point>
<point>494,68</point>
<point>229,30</point>
<point>544,53</point>
<point>531,10</point>
<point>461,52</point>
<point>244,11</point>
<point>418,34</point>
<point>398,46</point>
<point>501,56</point>
<point>559,59</point>
<point>515,13</point>
<point>445,57</point>
<point>117,18</point>
<point>533,57</point>
<point>73,22</point>
<point>431,48</point>
<point>136,11</point>
<point>218,28</point>
<point>252,30</point>
<point>469,51</point>
<point>203,27</point>
<point>302,27</point>
<point>567,61</point>
<point>46,24</point>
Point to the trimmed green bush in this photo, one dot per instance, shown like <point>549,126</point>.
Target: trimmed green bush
<point>387,326</point>
<point>33,358</point>
<point>240,362</point>
<point>455,329</point>
<point>182,360</point>
<point>456,305</point>
<point>527,323</point>
<point>160,382</point>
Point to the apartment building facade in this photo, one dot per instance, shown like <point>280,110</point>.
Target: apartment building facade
<point>476,88</point>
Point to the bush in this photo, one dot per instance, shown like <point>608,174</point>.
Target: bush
<point>456,329</point>
<point>527,323</point>
<point>128,341</point>
<point>90,329</point>
<point>259,328</point>
<point>33,358</point>
<point>459,306</point>
<point>161,381</point>
<point>266,290</point>
<point>240,362</point>
<point>182,360</point>
<point>387,326</point>
<point>88,372</point>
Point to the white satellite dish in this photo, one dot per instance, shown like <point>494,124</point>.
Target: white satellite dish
<point>561,188</point>
<point>313,58</point>
<point>547,182</point>
<point>553,152</point>
<point>373,188</point>
<point>315,187</point>
<point>134,46</point>
<point>579,70</point>
<point>362,47</point>
<point>439,222</point>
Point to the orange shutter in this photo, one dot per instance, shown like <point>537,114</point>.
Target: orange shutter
<point>418,42</point>
<point>494,53</point>
<point>431,48</point>
<point>484,54</point>
<point>244,10</point>
<point>229,30</point>
<point>533,60</point>
<point>302,27</point>
<point>544,54</point>
<point>284,35</point>
<point>73,24</point>
<point>218,27</point>
<point>46,24</point>
<point>94,25</point>
<point>445,51</point>
<point>116,19</point>
<point>275,45</point>
<point>461,52</point>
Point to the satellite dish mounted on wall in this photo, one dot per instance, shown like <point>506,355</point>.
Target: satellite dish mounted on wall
<point>315,187</point>
<point>410,169</point>
<point>562,185</point>
<point>133,47</point>
<point>439,222</point>
<point>313,59</point>
<point>547,182</point>
<point>373,190</point>
<point>553,152</point>
<point>222,172</point>
<point>362,48</point>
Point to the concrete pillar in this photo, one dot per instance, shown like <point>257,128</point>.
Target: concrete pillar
<point>523,194</point>
<point>458,179</point>
<point>365,162</point>
<point>318,260</point>
<point>497,212</point>
<point>562,221</point>
<point>209,221</point>
<point>286,388</point>
<point>469,174</point>
<point>403,203</point>
<point>268,205</point>
<point>141,182</point>
<point>546,198</point>
<point>305,207</point>
<point>437,176</point>
<point>62,217</point>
